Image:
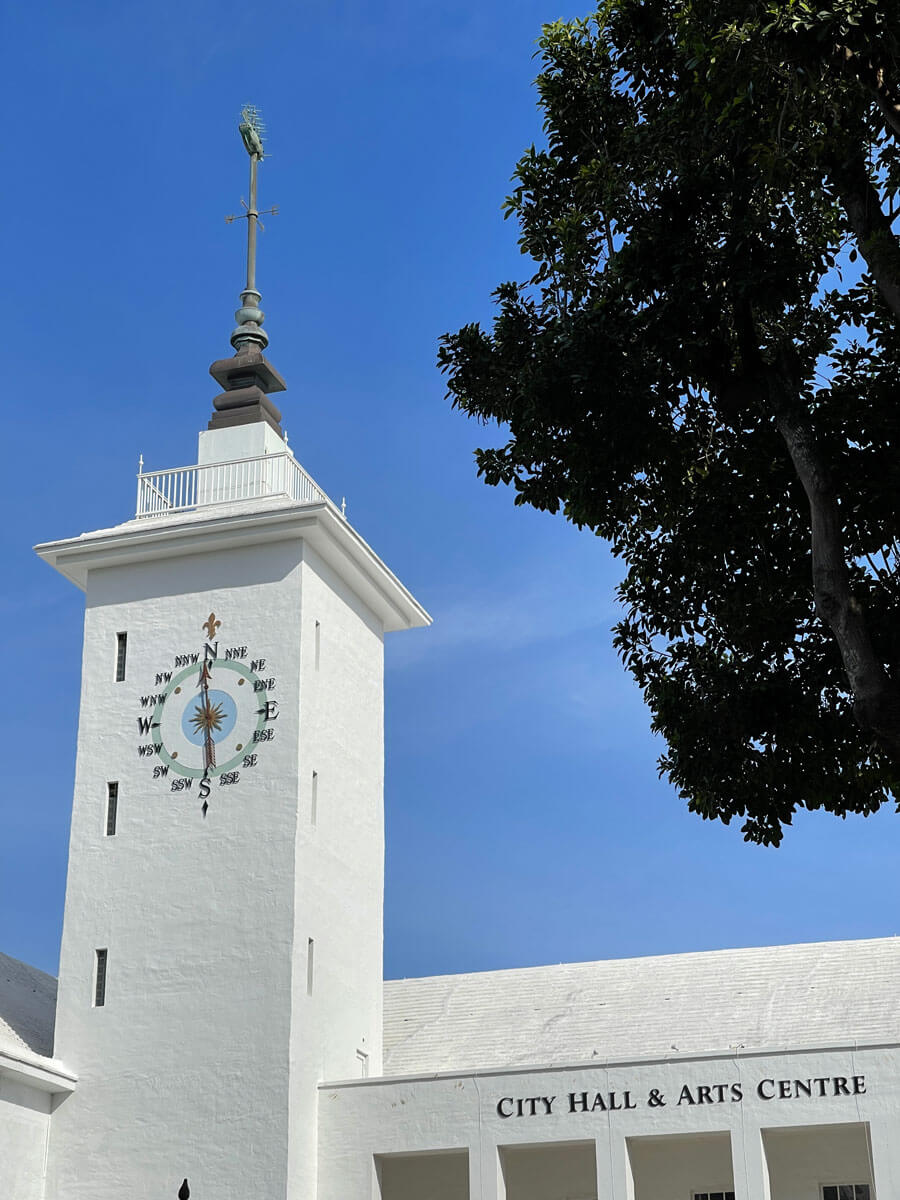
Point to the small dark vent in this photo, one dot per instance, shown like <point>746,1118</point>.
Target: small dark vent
<point>121,650</point>
<point>100,978</point>
<point>112,807</point>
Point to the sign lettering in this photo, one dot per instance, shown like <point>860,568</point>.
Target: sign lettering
<point>820,1088</point>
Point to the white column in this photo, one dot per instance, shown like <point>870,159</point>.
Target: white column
<point>748,1162</point>
<point>613,1168</point>
<point>485,1176</point>
<point>885,1151</point>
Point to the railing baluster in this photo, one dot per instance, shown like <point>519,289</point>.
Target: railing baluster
<point>183,488</point>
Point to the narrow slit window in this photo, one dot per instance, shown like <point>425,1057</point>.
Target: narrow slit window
<point>314,799</point>
<point>100,978</point>
<point>310,965</point>
<point>112,807</point>
<point>318,644</point>
<point>121,651</point>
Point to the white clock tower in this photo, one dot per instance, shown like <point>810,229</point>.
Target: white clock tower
<point>222,942</point>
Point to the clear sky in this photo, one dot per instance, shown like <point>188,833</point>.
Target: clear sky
<point>525,821</point>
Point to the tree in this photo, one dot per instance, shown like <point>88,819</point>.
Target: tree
<point>704,369</point>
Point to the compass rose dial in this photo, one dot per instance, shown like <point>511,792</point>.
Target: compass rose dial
<point>214,715</point>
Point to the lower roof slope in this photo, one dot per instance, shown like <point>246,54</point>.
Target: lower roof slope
<point>777,997</point>
<point>27,1008</point>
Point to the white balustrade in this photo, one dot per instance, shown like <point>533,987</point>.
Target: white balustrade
<point>184,488</point>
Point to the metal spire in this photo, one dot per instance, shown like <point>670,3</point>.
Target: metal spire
<point>249,316</point>
<point>248,378</point>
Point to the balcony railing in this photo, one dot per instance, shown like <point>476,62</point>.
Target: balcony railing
<point>186,488</point>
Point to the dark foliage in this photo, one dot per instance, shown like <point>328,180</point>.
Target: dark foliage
<point>704,369</point>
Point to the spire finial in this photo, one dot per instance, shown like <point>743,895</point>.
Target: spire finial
<point>248,378</point>
<point>249,316</point>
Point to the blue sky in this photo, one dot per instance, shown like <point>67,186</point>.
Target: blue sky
<point>525,821</point>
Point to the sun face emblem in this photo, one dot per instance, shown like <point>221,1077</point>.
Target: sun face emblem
<point>207,718</point>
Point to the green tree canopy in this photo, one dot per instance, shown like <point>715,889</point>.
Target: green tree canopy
<point>704,368</point>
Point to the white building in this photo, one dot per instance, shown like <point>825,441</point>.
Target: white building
<point>220,1016</point>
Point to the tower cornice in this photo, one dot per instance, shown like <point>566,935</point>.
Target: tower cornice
<point>319,525</point>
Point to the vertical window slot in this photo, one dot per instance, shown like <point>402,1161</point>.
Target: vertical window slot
<point>112,806</point>
<point>318,644</point>
<point>363,1059</point>
<point>310,965</point>
<point>314,799</point>
<point>121,651</point>
<point>99,978</point>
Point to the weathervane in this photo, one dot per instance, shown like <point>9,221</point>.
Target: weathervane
<point>249,316</point>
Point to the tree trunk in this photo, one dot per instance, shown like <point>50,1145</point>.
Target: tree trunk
<point>876,697</point>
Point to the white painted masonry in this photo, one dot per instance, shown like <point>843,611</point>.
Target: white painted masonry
<point>204,1060</point>
<point>759,1145</point>
<point>30,1080</point>
<point>225,1054</point>
<point>240,441</point>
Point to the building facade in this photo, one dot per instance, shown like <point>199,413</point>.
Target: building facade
<point>220,1027</point>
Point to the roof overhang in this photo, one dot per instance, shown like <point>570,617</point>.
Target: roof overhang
<point>199,532</point>
<point>45,1074</point>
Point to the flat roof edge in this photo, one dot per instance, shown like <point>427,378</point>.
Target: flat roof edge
<point>613,1063</point>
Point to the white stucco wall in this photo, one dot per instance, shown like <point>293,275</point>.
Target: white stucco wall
<point>340,858</point>
<point>184,1071</point>
<point>204,1061</point>
<point>358,1121</point>
<point>24,1127</point>
<point>423,1177</point>
<point>567,1171</point>
<point>801,1160</point>
<point>677,1166</point>
<point>238,442</point>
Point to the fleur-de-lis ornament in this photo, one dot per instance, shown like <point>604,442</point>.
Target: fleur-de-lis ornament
<point>211,625</point>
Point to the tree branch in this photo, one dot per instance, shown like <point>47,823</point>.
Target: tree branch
<point>871,227</point>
